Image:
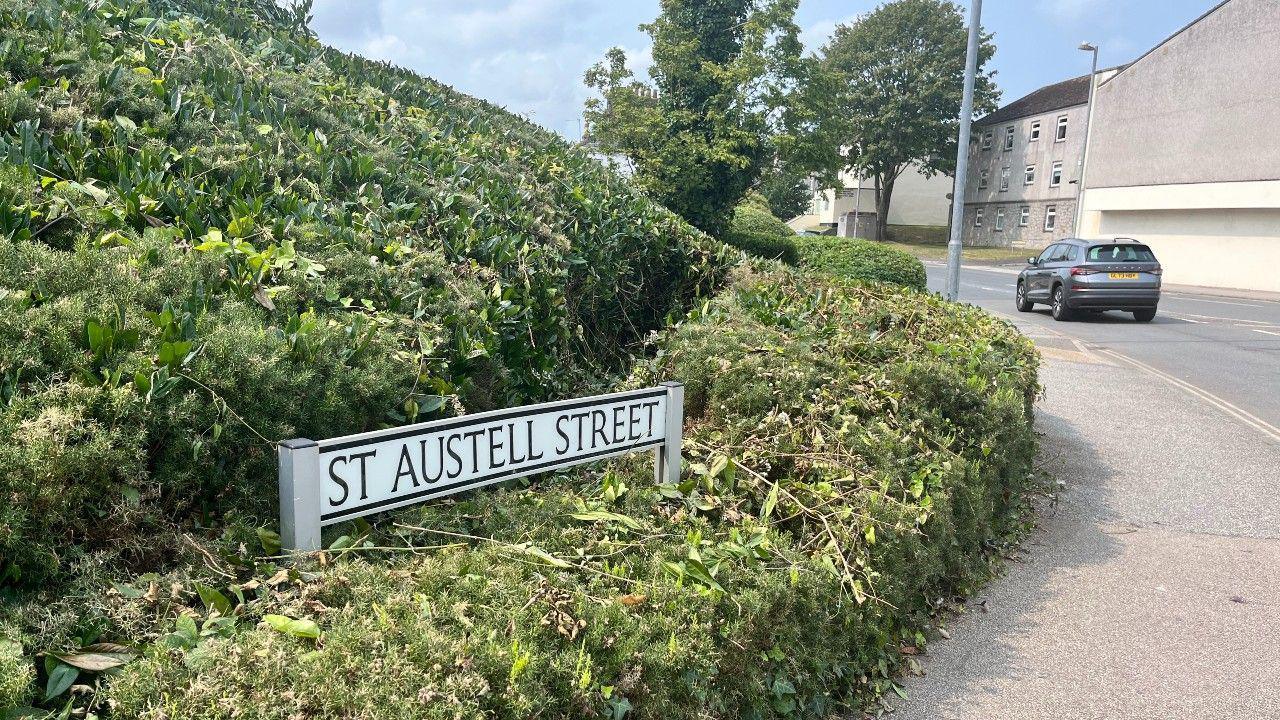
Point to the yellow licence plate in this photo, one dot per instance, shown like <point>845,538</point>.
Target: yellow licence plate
<point>1123,276</point>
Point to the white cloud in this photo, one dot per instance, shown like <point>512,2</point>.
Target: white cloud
<point>528,55</point>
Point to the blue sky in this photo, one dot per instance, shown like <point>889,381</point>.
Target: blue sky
<point>529,55</point>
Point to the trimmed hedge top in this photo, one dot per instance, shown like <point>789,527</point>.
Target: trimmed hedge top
<point>216,233</point>
<point>858,259</point>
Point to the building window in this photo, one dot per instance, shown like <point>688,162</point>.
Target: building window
<point>1062,128</point>
<point>1004,179</point>
<point>1008,138</point>
<point>1024,219</point>
<point>999,219</point>
<point>1035,131</point>
<point>1050,218</point>
<point>1030,176</point>
<point>1055,177</point>
<point>977,218</point>
<point>983,179</point>
<point>986,140</point>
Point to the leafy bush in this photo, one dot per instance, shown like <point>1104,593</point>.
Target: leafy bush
<point>861,260</point>
<point>16,674</point>
<point>852,452</point>
<point>755,230</point>
<point>216,233</point>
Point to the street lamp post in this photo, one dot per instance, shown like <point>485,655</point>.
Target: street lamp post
<point>1088,126</point>
<point>962,153</point>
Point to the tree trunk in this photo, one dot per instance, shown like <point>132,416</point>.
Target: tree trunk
<point>884,197</point>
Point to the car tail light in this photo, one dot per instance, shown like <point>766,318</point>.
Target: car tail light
<point>1083,271</point>
<point>1156,270</point>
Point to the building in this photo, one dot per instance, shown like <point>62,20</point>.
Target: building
<point>1024,167</point>
<point>1184,154</point>
<point>918,202</point>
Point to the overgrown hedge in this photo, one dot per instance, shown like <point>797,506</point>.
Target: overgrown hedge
<point>859,259</point>
<point>853,453</point>
<point>216,233</point>
<point>757,231</point>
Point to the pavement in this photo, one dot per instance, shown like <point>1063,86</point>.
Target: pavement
<point>1151,588</point>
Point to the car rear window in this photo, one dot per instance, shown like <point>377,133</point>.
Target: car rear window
<point>1121,252</point>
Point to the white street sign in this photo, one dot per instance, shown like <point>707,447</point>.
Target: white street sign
<point>332,480</point>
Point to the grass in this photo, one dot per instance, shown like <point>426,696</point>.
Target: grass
<point>974,255</point>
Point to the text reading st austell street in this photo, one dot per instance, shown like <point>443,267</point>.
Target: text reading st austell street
<point>438,458</point>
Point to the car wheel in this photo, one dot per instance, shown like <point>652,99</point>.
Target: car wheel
<point>1060,310</point>
<point>1144,315</point>
<point>1024,305</point>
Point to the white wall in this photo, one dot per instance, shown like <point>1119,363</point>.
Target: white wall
<point>1215,248</point>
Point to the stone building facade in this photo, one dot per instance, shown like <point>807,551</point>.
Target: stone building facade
<point>1024,168</point>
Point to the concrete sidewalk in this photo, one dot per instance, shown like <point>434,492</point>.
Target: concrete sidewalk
<point>1149,591</point>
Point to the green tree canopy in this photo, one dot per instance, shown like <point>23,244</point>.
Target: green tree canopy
<point>697,135</point>
<point>885,96</point>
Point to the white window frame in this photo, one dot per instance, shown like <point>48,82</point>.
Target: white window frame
<point>1009,135</point>
<point>1024,216</point>
<point>987,138</point>
<point>1051,218</point>
<point>999,219</point>
<point>1055,175</point>
<point>984,179</point>
<point>977,218</point>
<point>1035,132</point>
<point>1005,174</point>
<point>1061,134</point>
<point>1029,175</point>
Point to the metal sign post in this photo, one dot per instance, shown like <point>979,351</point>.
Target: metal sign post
<point>328,481</point>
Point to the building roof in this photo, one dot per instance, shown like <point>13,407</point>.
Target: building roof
<point>1057,96</point>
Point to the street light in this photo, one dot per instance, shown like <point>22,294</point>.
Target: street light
<point>962,153</point>
<point>1088,125</point>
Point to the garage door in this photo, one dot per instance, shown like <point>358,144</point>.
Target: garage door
<point>1215,248</point>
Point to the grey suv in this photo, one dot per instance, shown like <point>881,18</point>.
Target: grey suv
<point>1092,276</point>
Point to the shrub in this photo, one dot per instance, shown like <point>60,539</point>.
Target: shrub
<point>858,259</point>
<point>207,250</point>
<point>756,231</point>
<point>852,453</point>
<point>16,674</point>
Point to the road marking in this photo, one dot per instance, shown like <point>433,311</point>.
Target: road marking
<point>1186,316</point>
<point>1244,416</point>
<point>1198,298</point>
<point>1265,332</point>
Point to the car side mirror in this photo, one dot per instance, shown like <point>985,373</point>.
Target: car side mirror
<point>1033,261</point>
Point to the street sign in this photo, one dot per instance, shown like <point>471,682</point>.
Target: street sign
<point>327,481</point>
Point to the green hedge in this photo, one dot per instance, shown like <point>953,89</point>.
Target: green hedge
<point>853,452</point>
<point>861,260</point>
<point>216,233</point>
<point>756,231</point>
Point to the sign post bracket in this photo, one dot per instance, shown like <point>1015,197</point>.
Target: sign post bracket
<point>666,465</point>
<point>300,495</point>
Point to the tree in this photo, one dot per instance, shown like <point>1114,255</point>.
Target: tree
<point>697,136</point>
<point>885,96</point>
<point>786,190</point>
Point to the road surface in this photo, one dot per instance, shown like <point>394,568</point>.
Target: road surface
<point>1152,587</point>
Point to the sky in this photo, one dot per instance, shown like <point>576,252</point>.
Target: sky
<point>529,55</point>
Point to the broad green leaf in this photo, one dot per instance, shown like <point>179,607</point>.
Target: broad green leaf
<point>213,599</point>
<point>606,516</point>
<point>60,678</point>
<point>297,628</point>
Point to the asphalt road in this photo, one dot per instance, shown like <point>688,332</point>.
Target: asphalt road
<point>1150,589</point>
<point>1228,347</point>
